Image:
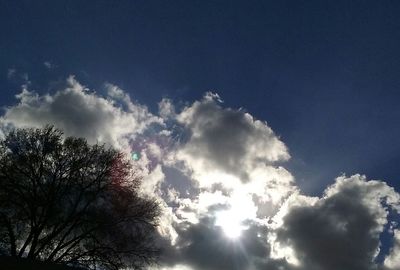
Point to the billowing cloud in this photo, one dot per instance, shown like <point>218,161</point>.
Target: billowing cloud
<point>227,140</point>
<point>80,112</point>
<point>340,230</point>
<point>228,150</point>
<point>218,173</point>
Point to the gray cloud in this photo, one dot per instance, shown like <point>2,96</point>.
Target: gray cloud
<point>341,230</point>
<point>203,246</point>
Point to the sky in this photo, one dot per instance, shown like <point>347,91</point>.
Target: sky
<point>268,130</point>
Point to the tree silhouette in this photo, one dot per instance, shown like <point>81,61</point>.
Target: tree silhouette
<point>65,201</point>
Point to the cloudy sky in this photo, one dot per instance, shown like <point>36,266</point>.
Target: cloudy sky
<point>269,132</point>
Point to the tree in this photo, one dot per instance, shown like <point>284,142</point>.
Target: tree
<point>65,201</point>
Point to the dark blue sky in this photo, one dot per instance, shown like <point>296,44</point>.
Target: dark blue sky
<point>323,74</point>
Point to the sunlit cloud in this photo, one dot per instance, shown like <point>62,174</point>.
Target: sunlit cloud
<point>219,175</point>
<point>80,112</point>
<point>392,261</point>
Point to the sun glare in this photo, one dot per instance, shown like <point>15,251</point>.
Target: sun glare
<point>230,224</point>
<point>241,208</point>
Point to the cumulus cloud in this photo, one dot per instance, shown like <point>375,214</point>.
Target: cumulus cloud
<point>340,230</point>
<point>230,158</point>
<point>227,140</point>
<point>80,112</point>
<point>229,150</point>
<point>218,174</point>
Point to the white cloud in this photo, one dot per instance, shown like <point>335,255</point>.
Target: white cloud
<point>231,148</point>
<point>80,112</point>
<point>227,149</point>
<point>231,158</point>
<point>392,261</point>
<point>227,140</point>
<point>218,171</point>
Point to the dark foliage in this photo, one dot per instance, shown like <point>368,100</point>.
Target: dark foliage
<point>16,263</point>
<point>65,201</point>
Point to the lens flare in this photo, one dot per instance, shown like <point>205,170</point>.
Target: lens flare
<point>135,156</point>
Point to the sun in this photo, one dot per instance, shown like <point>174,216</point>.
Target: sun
<point>230,223</point>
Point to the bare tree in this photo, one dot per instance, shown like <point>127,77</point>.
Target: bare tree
<point>65,201</point>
